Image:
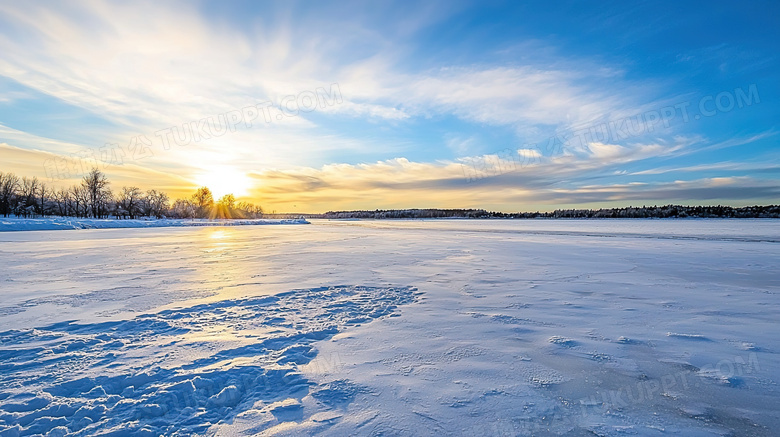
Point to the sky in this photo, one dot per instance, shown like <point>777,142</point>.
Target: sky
<point>318,106</point>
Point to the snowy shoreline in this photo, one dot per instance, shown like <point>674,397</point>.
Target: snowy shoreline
<point>69,223</point>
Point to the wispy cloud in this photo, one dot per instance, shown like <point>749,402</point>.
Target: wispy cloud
<point>738,141</point>
<point>148,65</point>
<point>159,73</point>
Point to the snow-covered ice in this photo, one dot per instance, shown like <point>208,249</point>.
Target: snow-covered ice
<point>442,327</point>
<point>57,223</point>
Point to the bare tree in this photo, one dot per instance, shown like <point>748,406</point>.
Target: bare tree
<point>183,208</point>
<point>99,194</point>
<point>80,200</point>
<point>43,195</point>
<point>28,192</point>
<point>249,210</point>
<point>9,186</point>
<point>228,201</point>
<point>204,201</point>
<point>225,206</point>
<point>156,203</point>
<point>129,200</point>
<point>63,199</point>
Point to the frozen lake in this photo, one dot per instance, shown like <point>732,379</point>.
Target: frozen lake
<point>446,327</point>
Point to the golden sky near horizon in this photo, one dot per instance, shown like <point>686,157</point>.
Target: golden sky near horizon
<point>368,109</point>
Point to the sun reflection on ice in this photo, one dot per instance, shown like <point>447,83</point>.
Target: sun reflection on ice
<point>219,234</point>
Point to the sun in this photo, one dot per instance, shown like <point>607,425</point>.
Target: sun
<point>225,180</point>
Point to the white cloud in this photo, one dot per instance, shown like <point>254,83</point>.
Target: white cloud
<point>150,65</point>
<point>163,62</point>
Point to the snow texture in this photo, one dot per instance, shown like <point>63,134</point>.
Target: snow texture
<point>445,327</point>
<point>48,374</point>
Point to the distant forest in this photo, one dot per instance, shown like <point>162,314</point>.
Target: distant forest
<point>666,211</point>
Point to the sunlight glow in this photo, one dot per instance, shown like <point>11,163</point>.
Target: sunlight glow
<point>225,180</point>
<point>218,235</point>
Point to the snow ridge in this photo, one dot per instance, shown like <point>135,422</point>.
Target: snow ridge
<point>151,375</point>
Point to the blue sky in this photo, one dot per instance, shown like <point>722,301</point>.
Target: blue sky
<point>492,105</point>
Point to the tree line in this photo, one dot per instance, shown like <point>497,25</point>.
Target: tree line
<point>93,198</point>
<point>666,211</point>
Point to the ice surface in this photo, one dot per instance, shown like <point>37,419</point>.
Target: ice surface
<point>60,223</point>
<point>445,327</point>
